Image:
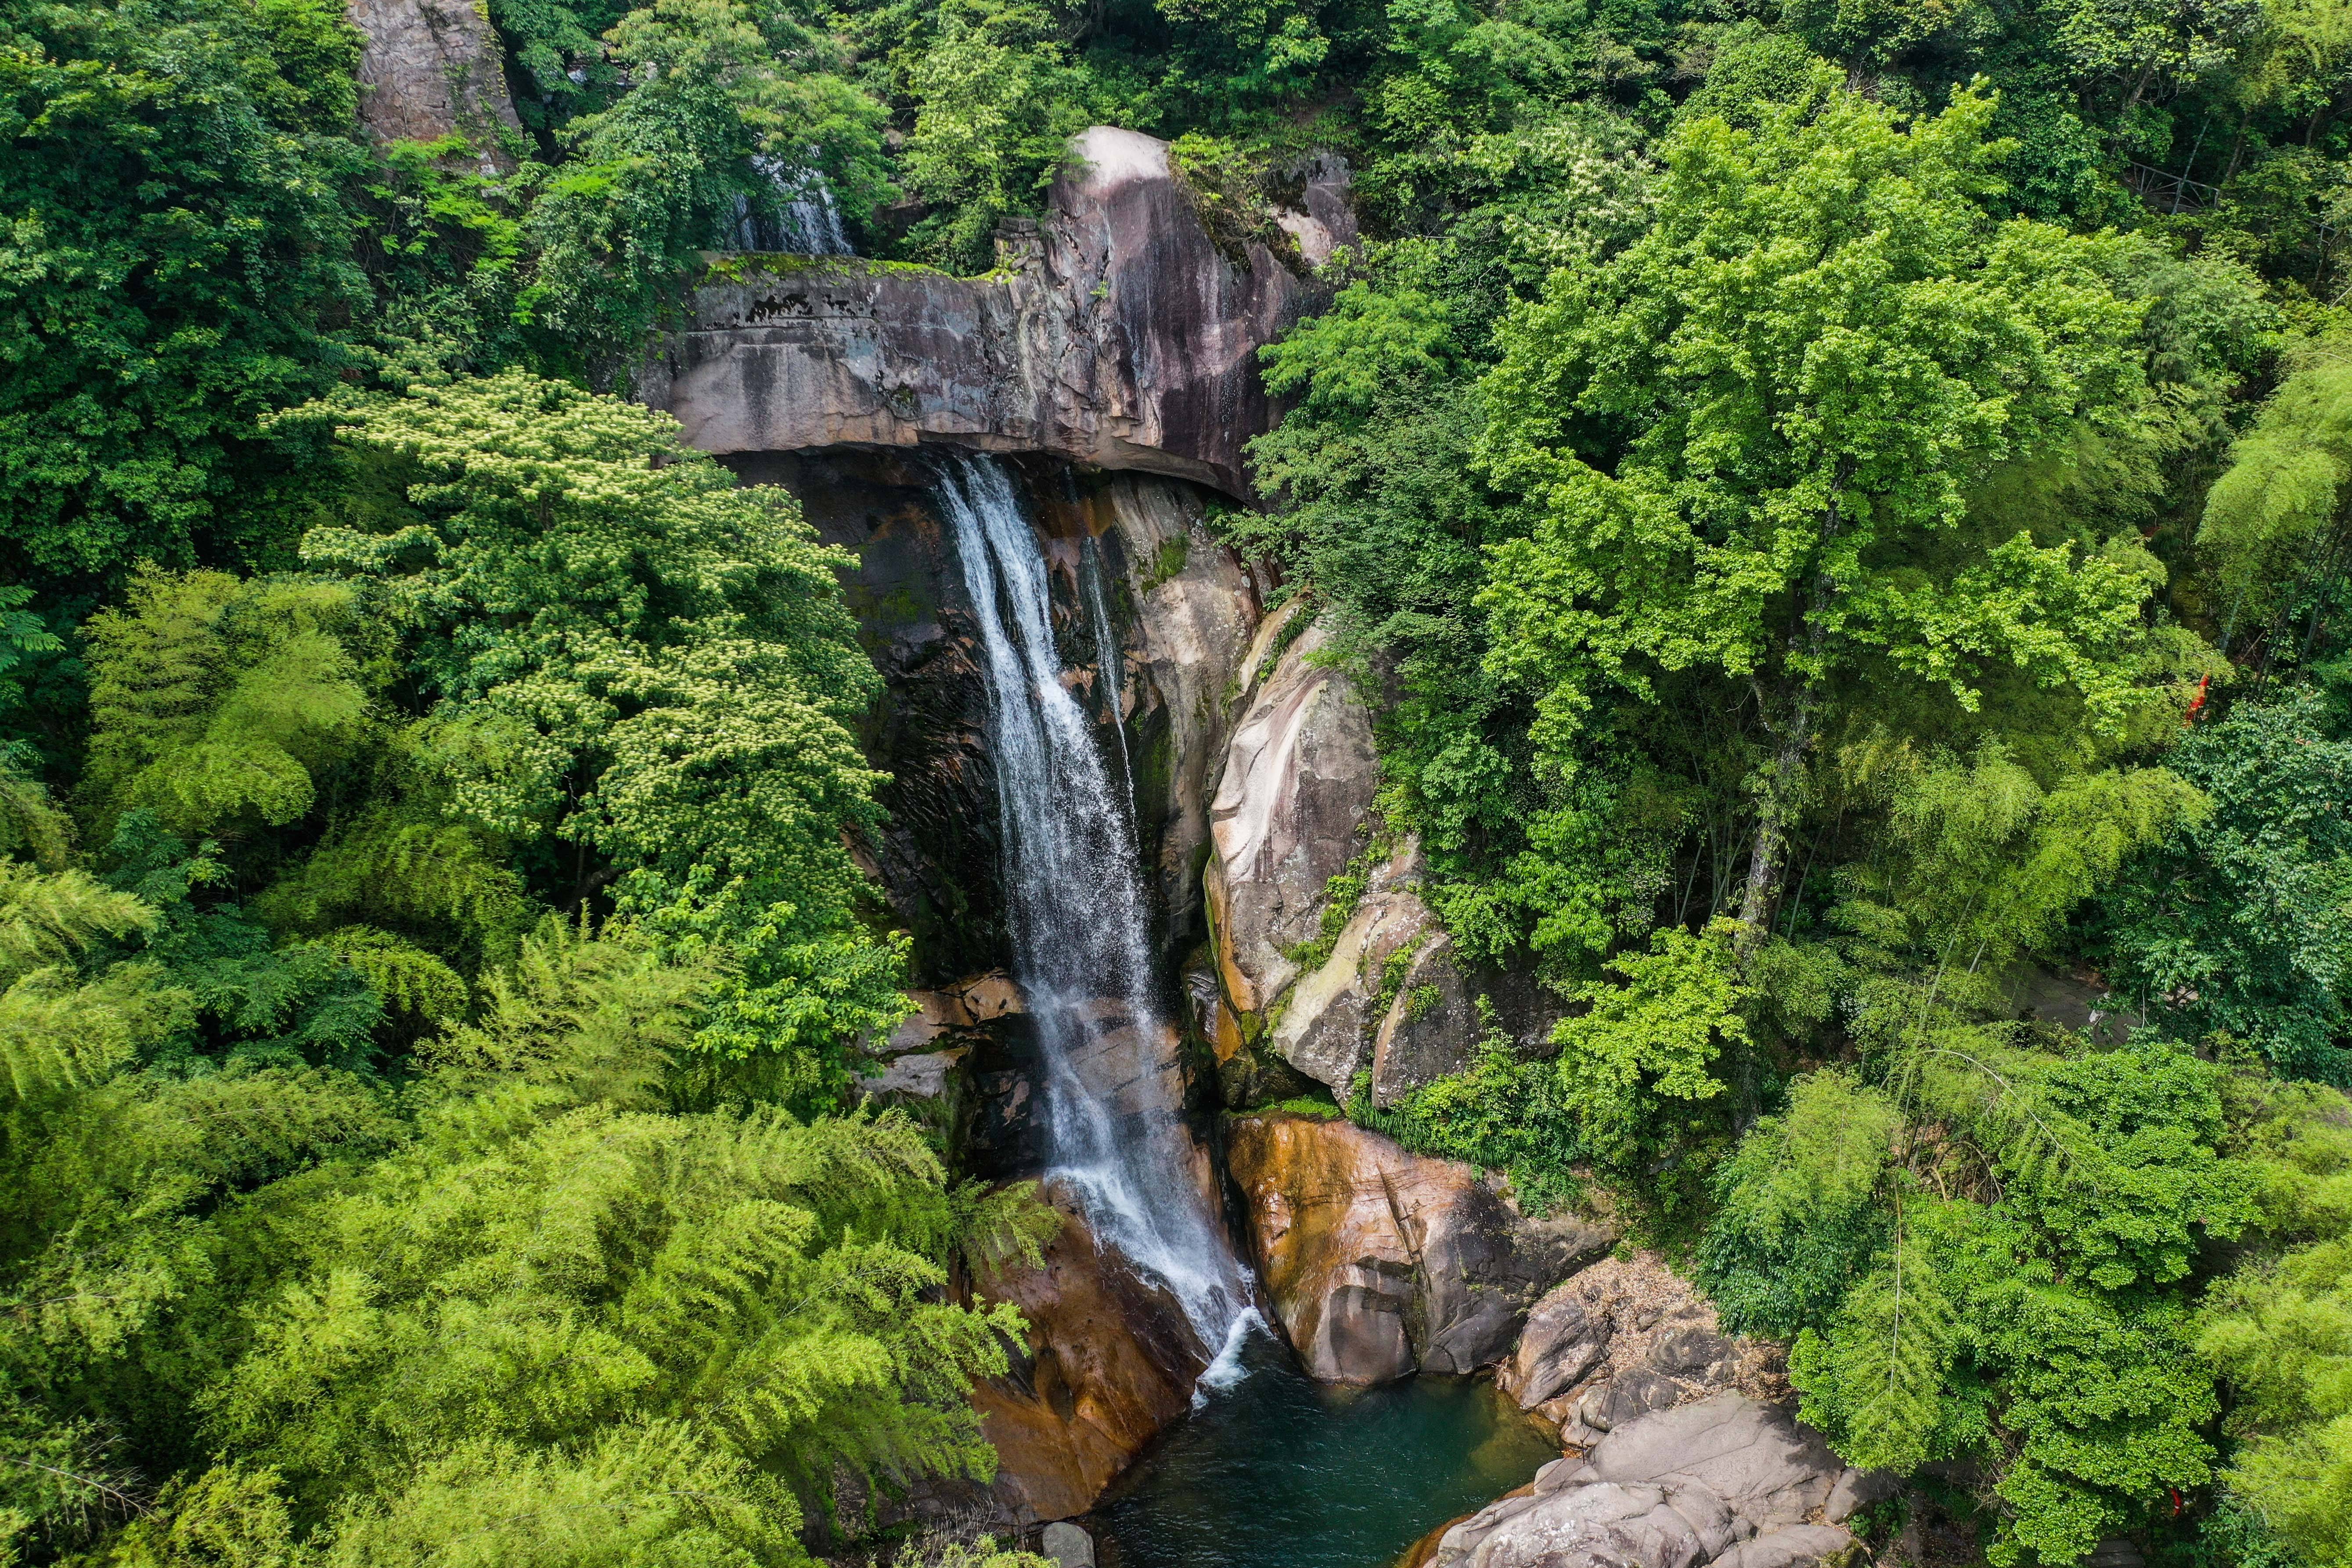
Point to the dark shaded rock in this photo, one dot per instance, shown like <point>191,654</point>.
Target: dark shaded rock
<point>1115,333</point>
<point>1181,611</point>
<point>1431,1029</point>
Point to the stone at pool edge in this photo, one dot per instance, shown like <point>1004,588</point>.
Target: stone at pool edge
<point>1381,1263</point>
<point>1068,1546</point>
<point>1727,1482</point>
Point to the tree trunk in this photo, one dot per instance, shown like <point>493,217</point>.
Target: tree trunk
<point>1776,816</point>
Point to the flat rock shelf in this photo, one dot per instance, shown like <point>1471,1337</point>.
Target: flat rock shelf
<point>1283,1472</point>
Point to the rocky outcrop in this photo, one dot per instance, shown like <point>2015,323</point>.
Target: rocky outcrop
<point>1728,1482</point>
<point>429,69</point>
<point>1106,1364</point>
<point>1113,332</point>
<point>1191,612</point>
<point>1623,1338</point>
<point>1379,1263</point>
<point>1292,812</point>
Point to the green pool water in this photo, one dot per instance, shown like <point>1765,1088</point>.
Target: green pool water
<point>1282,1472</point>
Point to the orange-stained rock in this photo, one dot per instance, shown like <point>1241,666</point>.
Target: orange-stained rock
<point>1108,1364</point>
<point>1379,1262</point>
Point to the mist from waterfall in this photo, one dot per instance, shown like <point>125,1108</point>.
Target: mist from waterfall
<point>806,220</point>
<point>1082,948</point>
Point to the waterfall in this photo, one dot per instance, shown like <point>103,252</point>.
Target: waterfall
<point>1082,950</point>
<point>806,220</point>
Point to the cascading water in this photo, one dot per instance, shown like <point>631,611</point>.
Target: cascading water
<point>1080,933</point>
<point>806,220</point>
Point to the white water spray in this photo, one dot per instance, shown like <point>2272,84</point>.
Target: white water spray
<point>1080,933</point>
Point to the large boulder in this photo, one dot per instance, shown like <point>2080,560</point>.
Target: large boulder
<point>1728,1482</point>
<point>1114,332</point>
<point>1297,784</point>
<point>1190,611</point>
<point>1106,1364</point>
<point>1379,1263</point>
<point>430,68</point>
<point>1624,1337</point>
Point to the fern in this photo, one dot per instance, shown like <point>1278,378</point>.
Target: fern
<point>54,918</point>
<point>403,974</point>
<point>1875,1382</point>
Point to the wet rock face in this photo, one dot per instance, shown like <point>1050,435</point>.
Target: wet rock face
<point>1106,1364</point>
<point>429,68</point>
<point>1181,611</point>
<point>1115,333</point>
<point>1381,1263</point>
<point>1728,1482</point>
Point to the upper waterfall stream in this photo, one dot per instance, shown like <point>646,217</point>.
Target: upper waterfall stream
<point>1080,927</point>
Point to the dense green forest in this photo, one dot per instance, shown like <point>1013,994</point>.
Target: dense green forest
<point>1850,507</point>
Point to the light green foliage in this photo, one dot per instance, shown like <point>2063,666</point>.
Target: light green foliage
<point>670,687</point>
<point>218,701</point>
<point>1979,863</point>
<point>1787,501</point>
<point>2275,521</point>
<point>1000,100</point>
<point>1652,1039</point>
<point>2279,1329</point>
<point>55,1031</point>
<point>1802,1214</point>
<point>555,1255</point>
<point>2030,1318</point>
<point>644,1334</point>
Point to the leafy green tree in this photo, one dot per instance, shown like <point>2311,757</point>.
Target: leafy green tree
<point>180,266</point>
<point>630,655</point>
<point>1635,1046</point>
<point>2279,1328</point>
<point>654,179</point>
<point>1001,99</point>
<point>2239,924</point>
<point>1748,442</point>
<point>2024,1308</point>
<point>2278,523</point>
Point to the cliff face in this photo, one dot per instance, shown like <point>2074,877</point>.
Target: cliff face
<point>1114,333</point>
<point>429,68</point>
